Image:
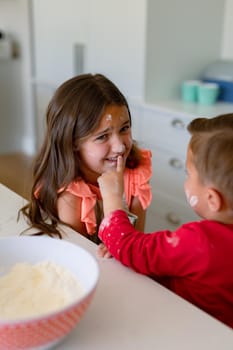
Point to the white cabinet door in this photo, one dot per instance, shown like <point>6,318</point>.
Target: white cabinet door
<point>167,213</point>
<point>165,130</point>
<point>168,173</point>
<point>165,134</point>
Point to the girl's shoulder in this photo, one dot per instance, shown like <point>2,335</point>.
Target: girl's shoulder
<point>80,188</point>
<point>136,181</point>
<point>146,157</point>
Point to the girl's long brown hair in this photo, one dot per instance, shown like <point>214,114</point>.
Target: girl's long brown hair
<point>73,113</point>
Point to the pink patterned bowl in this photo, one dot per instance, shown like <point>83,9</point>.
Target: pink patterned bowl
<point>44,332</point>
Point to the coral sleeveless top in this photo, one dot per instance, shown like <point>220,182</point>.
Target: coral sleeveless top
<point>136,184</point>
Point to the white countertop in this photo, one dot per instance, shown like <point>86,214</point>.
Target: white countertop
<point>177,106</point>
<point>129,311</point>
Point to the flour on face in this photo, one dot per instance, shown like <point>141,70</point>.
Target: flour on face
<point>108,117</point>
<point>122,148</point>
<point>192,199</point>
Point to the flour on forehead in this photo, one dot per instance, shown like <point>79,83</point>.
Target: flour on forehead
<point>108,117</point>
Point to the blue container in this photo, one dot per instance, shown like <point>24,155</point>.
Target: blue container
<point>221,73</point>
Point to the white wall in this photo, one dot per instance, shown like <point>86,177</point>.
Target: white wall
<point>183,37</point>
<point>113,33</point>
<point>227,43</point>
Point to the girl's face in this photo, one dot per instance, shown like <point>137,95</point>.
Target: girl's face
<point>195,191</point>
<point>98,152</point>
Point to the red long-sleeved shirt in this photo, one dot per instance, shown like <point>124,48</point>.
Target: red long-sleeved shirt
<point>195,261</point>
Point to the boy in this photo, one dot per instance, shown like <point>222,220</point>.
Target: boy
<point>196,260</point>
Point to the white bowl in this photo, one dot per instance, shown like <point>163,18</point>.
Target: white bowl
<point>43,332</point>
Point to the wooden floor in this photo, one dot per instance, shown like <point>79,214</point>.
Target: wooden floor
<point>15,172</point>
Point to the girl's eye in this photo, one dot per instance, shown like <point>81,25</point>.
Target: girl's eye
<point>125,128</point>
<point>102,137</point>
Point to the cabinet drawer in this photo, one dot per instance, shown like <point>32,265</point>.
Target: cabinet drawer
<point>164,130</point>
<point>168,174</point>
<point>165,213</point>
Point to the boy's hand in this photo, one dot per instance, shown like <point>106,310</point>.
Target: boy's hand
<point>102,251</point>
<point>111,186</point>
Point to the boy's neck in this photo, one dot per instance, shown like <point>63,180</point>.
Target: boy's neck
<point>224,216</point>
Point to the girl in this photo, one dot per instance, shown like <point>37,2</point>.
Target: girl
<point>88,127</point>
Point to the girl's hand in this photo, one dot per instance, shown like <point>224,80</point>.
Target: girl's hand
<point>111,186</point>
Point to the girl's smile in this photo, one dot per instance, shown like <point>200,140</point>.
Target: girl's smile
<point>99,151</point>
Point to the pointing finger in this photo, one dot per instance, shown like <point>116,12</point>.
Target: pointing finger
<point>120,164</point>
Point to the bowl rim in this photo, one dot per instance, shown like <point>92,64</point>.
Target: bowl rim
<point>46,316</point>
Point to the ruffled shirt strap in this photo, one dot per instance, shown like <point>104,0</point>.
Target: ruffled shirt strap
<point>81,189</point>
<point>136,181</point>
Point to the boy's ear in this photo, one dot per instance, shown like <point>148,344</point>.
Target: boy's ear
<point>215,200</point>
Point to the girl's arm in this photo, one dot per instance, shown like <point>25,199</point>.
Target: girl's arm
<point>69,212</point>
<point>111,186</point>
<point>136,209</point>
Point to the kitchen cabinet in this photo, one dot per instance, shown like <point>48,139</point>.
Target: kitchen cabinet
<point>163,130</point>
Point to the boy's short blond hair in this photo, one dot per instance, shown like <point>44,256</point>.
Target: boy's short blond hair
<point>212,147</point>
